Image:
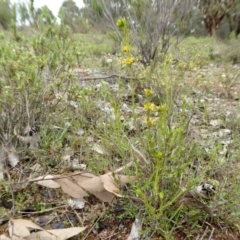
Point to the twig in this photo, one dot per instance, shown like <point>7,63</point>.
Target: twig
<point>204,233</point>
<point>210,237</point>
<point>91,229</point>
<point>52,178</point>
<point>139,153</point>
<point>42,211</point>
<point>78,217</point>
<point>122,168</point>
<point>107,77</point>
<point>136,150</point>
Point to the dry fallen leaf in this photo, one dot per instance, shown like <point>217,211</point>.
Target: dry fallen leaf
<point>123,179</point>
<point>104,187</point>
<point>19,228</point>
<point>94,185</point>
<point>105,196</point>
<point>111,180</point>
<point>57,234</point>
<point>71,188</point>
<point>13,158</point>
<point>97,148</point>
<point>89,182</point>
<point>46,181</point>
<point>136,227</point>
<point>109,184</point>
<point>4,237</point>
<point>7,154</point>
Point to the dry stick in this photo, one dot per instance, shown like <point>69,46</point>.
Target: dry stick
<point>43,211</point>
<point>106,77</point>
<point>52,178</point>
<point>122,168</point>
<point>204,233</point>
<point>67,176</point>
<point>210,237</point>
<point>139,153</point>
<point>136,150</point>
<point>78,217</point>
<point>91,229</point>
<point>96,221</point>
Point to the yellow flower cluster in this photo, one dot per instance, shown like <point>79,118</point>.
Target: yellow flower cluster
<point>149,106</point>
<point>161,108</point>
<point>151,109</point>
<point>126,48</point>
<point>127,61</point>
<point>148,92</point>
<point>150,121</point>
<point>121,23</point>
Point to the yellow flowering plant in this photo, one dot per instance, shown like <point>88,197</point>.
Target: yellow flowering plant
<point>150,121</point>
<point>148,92</point>
<point>127,58</point>
<point>121,23</point>
<point>149,107</point>
<point>127,61</point>
<point>126,48</point>
<point>161,108</point>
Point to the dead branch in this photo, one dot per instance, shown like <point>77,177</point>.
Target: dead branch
<point>114,76</point>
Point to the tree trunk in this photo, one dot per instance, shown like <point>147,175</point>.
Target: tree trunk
<point>213,14</point>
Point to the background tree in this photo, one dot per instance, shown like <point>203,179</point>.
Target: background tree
<point>214,12</point>
<point>193,23</point>
<point>93,12</point>
<point>23,12</point>
<point>150,22</point>
<point>70,14</point>
<point>5,14</point>
<point>45,15</point>
<point>32,13</point>
<point>233,18</point>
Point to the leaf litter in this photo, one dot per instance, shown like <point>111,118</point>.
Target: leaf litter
<point>22,229</point>
<point>135,230</point>
<point>8,155</point>
<point>106,187</point>
<point>78,186</point>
